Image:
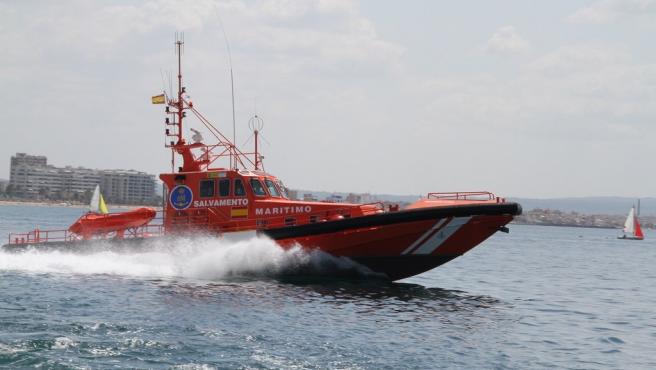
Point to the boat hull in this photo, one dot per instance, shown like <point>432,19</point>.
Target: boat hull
<point>405,243</point>
<point>396,244</point>
<point>625,237</point>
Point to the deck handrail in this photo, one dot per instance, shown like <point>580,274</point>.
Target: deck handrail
<point>462,195</point>
<point>193,220</point>
<point>63,235</point>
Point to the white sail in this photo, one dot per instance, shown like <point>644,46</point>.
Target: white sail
<point>94,205</point>
<point>629,224</point>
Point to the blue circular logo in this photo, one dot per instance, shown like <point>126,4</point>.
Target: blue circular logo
<point>181,197</point>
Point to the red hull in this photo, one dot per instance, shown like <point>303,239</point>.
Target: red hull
<point>403,246</point>
<point>399,244</point>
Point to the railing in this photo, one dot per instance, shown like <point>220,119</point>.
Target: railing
<point>201,220</point>
<point>463,195</point>
<point>50,236</point>
<point>39,236</point>
<point>153,228</point>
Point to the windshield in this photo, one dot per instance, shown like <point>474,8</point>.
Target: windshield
<point>273,190</point>
<point>283,189</point>
<point>257,187</point>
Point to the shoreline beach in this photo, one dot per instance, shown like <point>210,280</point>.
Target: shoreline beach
<point>33,203</point>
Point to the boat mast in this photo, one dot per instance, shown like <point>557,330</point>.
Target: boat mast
<point>176,109</point>
<point>179,41</point>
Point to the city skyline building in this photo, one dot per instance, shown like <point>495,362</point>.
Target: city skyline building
<point>32,177</point>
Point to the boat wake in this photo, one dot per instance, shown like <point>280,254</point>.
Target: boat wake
<point>203,258</point>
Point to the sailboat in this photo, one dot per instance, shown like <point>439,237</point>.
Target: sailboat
<point>632,229</point>
<point>98,221</point>
<point>97,204</point>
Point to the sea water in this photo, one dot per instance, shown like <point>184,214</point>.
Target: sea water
<point>539,297</point>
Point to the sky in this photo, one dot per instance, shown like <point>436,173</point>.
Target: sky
<point>521,98</point>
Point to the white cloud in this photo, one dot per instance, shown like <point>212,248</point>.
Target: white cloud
<point>577,59</point>
<point>305,61</point>
<point>573,90</point>
<point>605,11</point>
<point>506,41</point>
<point>335,94</point>
<point>566,120</point>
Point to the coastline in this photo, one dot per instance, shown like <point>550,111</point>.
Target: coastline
<point>565,225</point>
<point>34,203</point>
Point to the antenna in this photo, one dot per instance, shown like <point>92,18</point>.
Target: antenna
<point>256,124</point>
<point>179,48</point>
<point>170,78</point>
<point>232,80</point>
<point>161,73</point>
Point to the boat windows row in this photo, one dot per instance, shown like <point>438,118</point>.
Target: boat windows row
<point>208,188</point>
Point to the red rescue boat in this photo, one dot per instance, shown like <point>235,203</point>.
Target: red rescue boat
<point>93,224</point>
<point>204,197</point>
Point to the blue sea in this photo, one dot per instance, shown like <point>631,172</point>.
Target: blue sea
<point>539,297</point>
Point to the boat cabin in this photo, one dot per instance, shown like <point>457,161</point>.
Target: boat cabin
<point>219,200</point>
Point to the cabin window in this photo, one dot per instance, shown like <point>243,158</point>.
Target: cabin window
<point>283,189</point>
<point>257,187</point>
<point>206,188</point>
<point>273,190</point>
<point>239,188</point>
<point>224,187</point>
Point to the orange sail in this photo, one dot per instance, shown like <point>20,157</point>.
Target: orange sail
<point>638,230</point>
<point>632,229</point>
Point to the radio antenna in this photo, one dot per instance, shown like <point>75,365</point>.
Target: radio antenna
<point>232,80</point>
<point>161,73</point>
<point>256,124</point>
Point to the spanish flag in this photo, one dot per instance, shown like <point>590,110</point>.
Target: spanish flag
<point>239,212</point>
<point>159,99</point>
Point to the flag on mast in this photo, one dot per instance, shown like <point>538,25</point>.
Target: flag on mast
<point>159,99</point>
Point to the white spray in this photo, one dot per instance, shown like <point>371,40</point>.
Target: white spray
<point>205,258</point>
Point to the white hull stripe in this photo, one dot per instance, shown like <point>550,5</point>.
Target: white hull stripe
<point>440,237</point>
<point>426,235</point>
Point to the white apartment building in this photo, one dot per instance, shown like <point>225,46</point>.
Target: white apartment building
<point>32,177</point>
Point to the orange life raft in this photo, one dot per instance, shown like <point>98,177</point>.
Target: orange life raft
<point>97,223</point>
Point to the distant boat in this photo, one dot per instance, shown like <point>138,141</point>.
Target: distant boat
<point>97,204</point>
<point>632,229</point>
